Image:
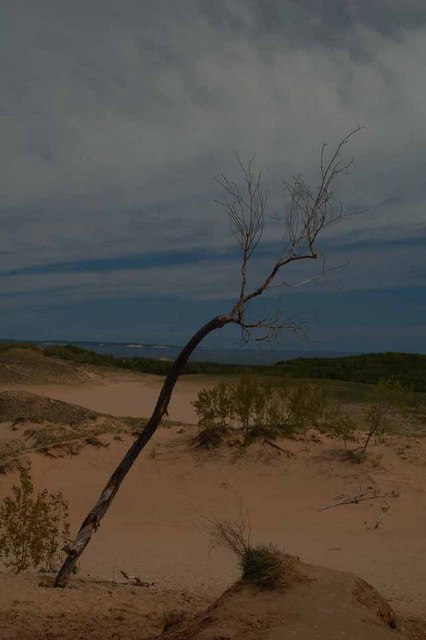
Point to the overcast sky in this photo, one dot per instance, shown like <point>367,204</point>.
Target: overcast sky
<point>116,116</point>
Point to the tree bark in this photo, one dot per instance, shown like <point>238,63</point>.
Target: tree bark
<point>94,517</point>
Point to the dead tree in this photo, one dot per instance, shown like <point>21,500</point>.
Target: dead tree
<point>306,212</point>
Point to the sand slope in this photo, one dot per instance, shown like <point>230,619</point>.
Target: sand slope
<point>31,610</point>
<point>30,422</point>
<point>156,528</point>
<point>324,605</point>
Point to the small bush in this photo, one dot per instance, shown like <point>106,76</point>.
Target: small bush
<point>263,566</point>
<point>214,407</point>
<point>307,405</point>
<point>389,395</point>
<point>262,432</point>
<point>171,619</point>
<point>32,527</point>
<point>337,424</point>
<point>210,437</point>
<point>258,408</point>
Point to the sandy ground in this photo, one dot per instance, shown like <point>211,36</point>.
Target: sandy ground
<point>123,397</point>
<point>156,528</point>
<point>315,602</point>
<point>31,610</point>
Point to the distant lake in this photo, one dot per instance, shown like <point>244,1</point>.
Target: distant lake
<point>266,355</point>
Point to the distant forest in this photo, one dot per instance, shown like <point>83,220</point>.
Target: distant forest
<point>409,368</point>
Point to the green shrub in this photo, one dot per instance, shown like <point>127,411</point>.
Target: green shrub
<point>32,527</point>
<point>270,414</point>
<point>210,437</point>
<point>214,407</point>
<point>214,411</point>
<point>258,408</point>
<point>389,395</point>
<point>262,565</point>
<point>338,424</point>
<point>307,405</point>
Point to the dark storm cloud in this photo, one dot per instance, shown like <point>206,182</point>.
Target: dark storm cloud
<point>333,18</point>
<point>116,116</point>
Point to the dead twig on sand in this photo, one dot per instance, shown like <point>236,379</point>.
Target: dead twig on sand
<point>137,582</point>
<point>361,497</point>
<point>380,518</point>
<point>272,444</point>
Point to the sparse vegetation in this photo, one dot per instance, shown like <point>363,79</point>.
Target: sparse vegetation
<point>264,566</point>
<point>338,424</point>
<point>389,395</point>
<point>214,407</point>
<point>32,526</point>
<point>211,437</point>
<point>171,619</point>
<point>42,423</point>
<point>257,408</point>
<point>307,405</point>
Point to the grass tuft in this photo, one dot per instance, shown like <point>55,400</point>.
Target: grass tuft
<point>211,437</point>
<point>263,566</point>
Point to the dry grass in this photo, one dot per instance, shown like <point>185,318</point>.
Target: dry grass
<point>36,423</point>
<point>264,566</point>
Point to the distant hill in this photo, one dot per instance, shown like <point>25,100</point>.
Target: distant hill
<point>409,368</point>
<point>25,364</point>
<point>222,355</point>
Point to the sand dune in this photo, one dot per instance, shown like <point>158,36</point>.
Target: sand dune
<point>322,604</point>
<point>26,366</point>
<point>135,397</point>
<point>30,422</point>
<point>124,398</point>
<point>156,528</point>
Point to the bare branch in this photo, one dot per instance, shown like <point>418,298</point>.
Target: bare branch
<point>233,535</point>
<point>246,209</point>
<point>307,212</point>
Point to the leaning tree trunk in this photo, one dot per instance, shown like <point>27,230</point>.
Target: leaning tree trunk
<point>367,442</point>
<point>94,517</point>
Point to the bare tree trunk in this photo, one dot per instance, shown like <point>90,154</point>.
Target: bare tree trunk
<point>367,442</point>
<point>94,517</point>
<point>358,454</point>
